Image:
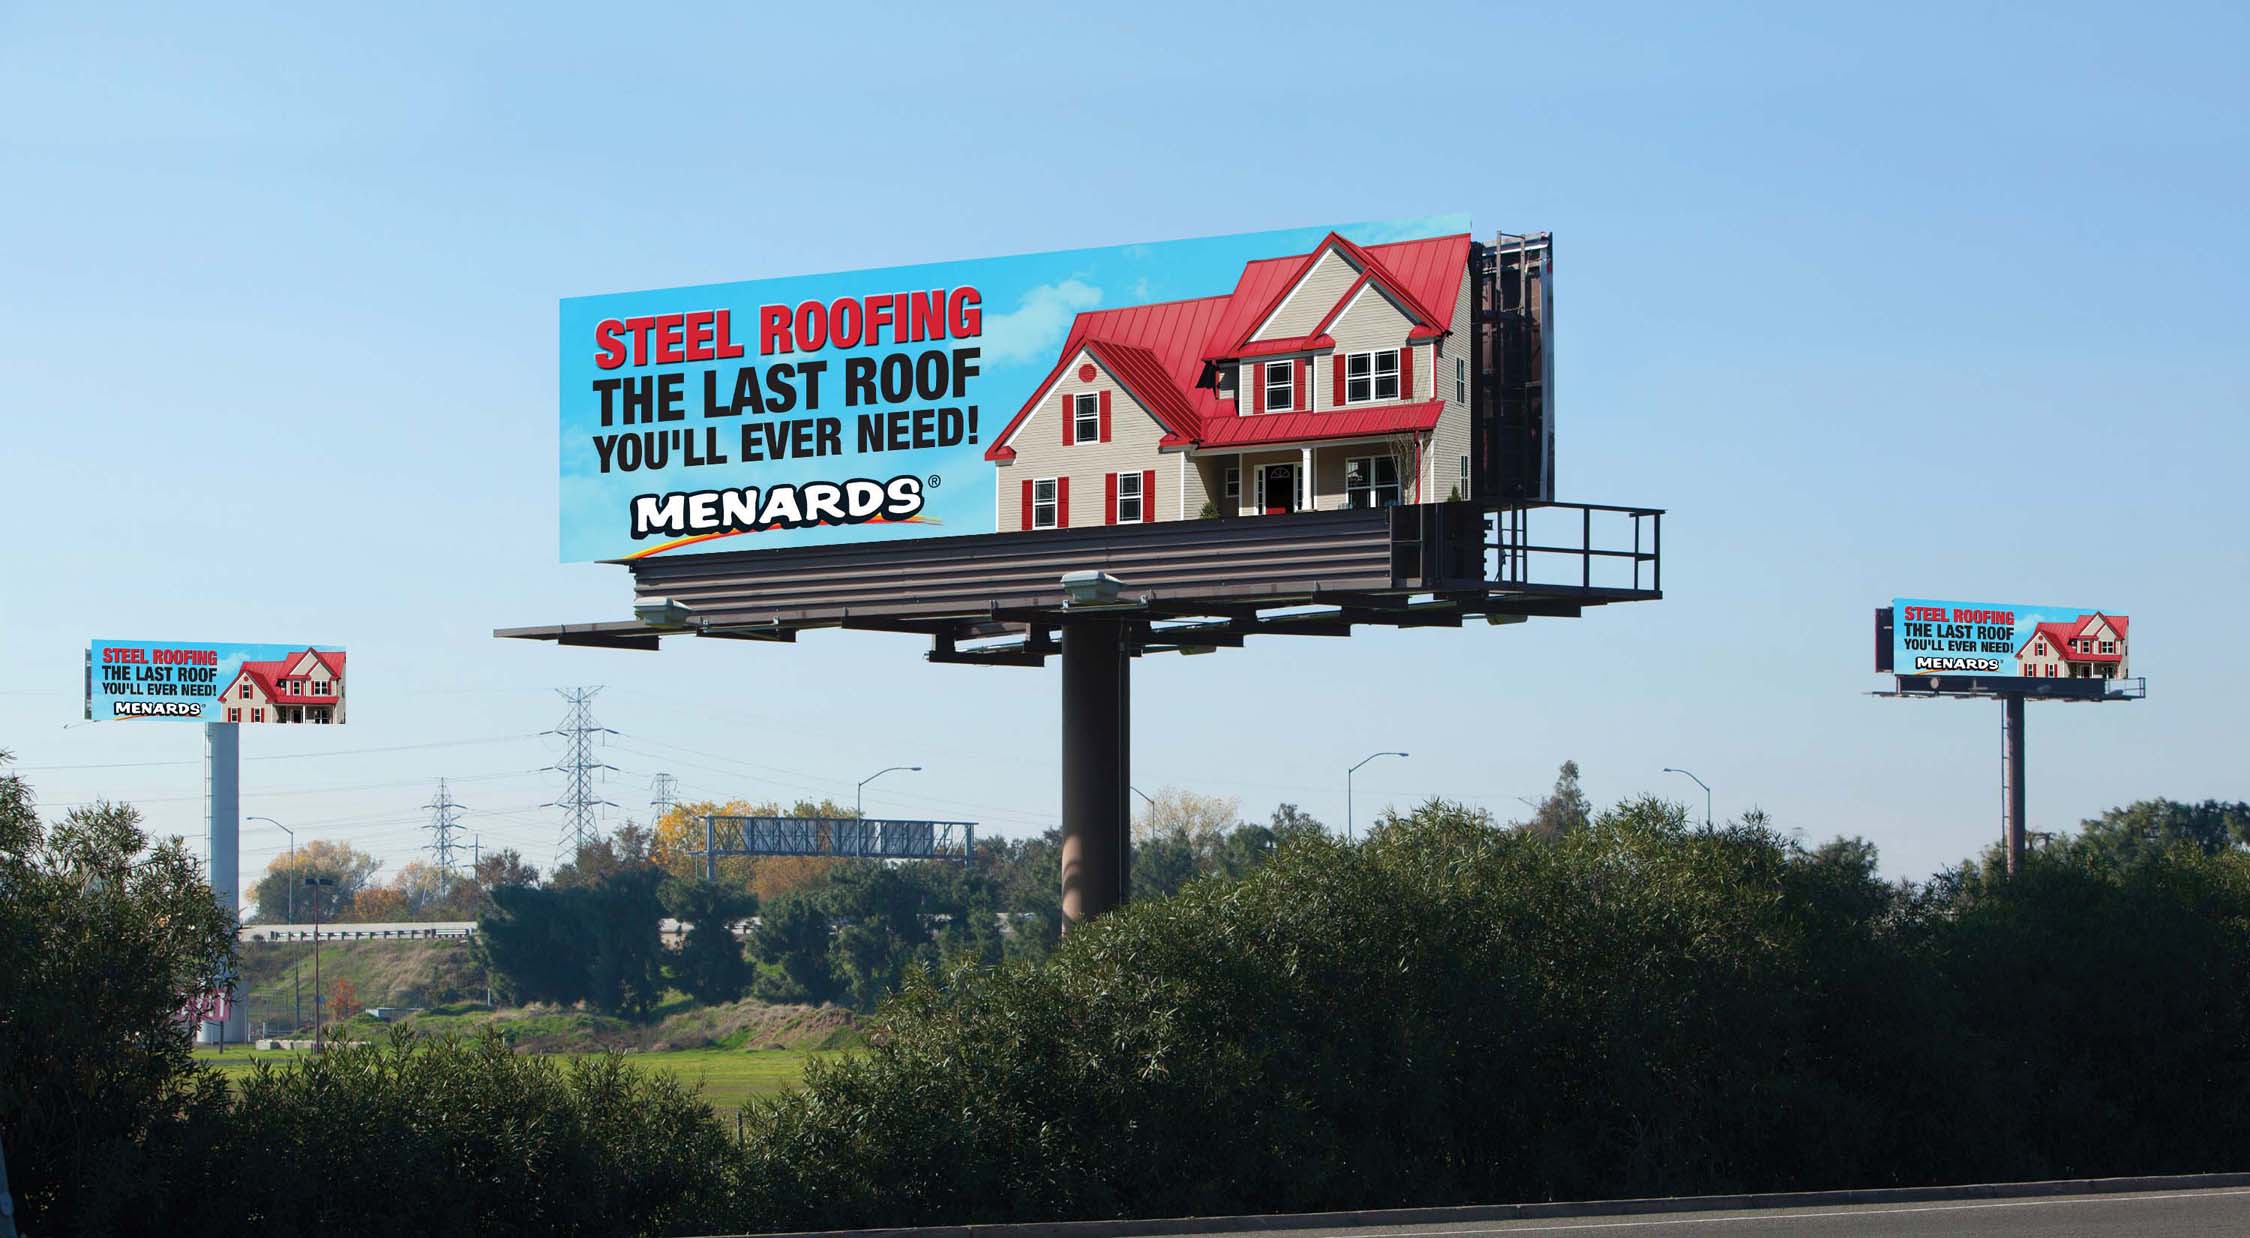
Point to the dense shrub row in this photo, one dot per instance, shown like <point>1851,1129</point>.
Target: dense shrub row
<point>1446,1012</point>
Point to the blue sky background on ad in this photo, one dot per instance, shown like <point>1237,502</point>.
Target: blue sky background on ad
<point>1941,302</point>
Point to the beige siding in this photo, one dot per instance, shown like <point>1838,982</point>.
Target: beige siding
<point>1372,322</point>
<point>1450,442</point>
<point>1195,489</point>
<point>1310,301</point>
<point>1132,447</point>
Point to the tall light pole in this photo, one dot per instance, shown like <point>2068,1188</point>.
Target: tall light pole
<point>296,989</point>
<point>857,811</point>
<point>1348,824</point>
<point>320,999</point>
<point>1706,793</point>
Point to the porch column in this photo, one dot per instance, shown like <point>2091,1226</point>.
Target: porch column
<point>1305,470</point>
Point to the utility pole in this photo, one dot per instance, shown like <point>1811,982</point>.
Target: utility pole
<point>445,819</point>
<point>579,803</point>
<point>320,998</point>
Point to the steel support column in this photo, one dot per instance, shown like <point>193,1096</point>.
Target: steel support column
<point>222,810</point>
<point>2011,775</point>
<point>1096,762</point>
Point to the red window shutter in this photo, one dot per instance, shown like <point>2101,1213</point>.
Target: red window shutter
<point>1062,502</point>
<point>1302,388</point>
<point>1109,515</point>
<point>1070,420</point>
<point>1027,503</point>
<point>1105,416</point>
<point>1148,495</point>
<point>1406,372</point>
<point>1257,388</point>
<point>1339,380</point>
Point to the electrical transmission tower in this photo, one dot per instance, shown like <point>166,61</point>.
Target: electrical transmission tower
<point>579,803</point>
<point>445,822</point>
<point>664,791</point>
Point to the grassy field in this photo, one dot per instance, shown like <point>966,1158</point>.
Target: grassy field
<point>729,1078</point>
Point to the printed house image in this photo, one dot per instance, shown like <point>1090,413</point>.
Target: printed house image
<point>2088,647</point>
<point>1338,378</point>
<point>303,687</point>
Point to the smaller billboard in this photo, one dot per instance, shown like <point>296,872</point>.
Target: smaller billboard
<point>214,681</point>
<point>1931,637</point>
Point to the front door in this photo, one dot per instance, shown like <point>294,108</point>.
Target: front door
<point>1279,487</point>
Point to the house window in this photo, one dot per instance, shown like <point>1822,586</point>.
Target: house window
<point>1371,481</point>
<point>1230,483</point>
<point>1087,412</point>
<point>1129,498</point>
<point>1043,504</point>
<point>1281,386</point>
<point>2109,646</point>
<point>1371,376</point>
<point>1461,393</point>
<point>245,693</point>
<point>1464,477</point>
<point>257,715</point>
<point>234,713</point>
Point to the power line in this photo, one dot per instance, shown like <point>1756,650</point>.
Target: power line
<point>579,803</point>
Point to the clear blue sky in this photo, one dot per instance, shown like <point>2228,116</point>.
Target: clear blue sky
<point>1940,301</point>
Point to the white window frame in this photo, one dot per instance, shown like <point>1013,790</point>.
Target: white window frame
<point>1374,489</point>
<point>1053,502</point>
<point>1139,500</point>
<point>1461,381</point>
<point>1230,484</point>
<point>1372,378</point>
<point>1085,408</point>
<point>1287,387</point>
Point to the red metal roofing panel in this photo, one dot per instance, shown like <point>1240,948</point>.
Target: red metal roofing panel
<point>1269,428</point>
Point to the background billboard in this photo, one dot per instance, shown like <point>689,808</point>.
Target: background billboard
<point>1931,637</point>
<point>214,681</point>
<point>905,402</point>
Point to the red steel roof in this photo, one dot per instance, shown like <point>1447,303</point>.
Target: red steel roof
<point>1261,428</point>
<point>1159,352</point>
<point>2061,634</point>
<point>266,674</point>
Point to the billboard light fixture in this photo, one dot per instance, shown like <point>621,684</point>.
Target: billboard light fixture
<point>1501,620</point>
<point>662,612</point>
<point>1090,588</point>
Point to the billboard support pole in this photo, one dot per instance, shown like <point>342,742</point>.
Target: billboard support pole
<point>1096,760</point>
<point>2011,778</point>
<point>222,804</point>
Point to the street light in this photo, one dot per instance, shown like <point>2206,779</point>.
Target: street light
<point>1706,793</point>
<point>857,811</point>
<point>1348,788</point>
<point>296,988</point>
<point>320,999</point>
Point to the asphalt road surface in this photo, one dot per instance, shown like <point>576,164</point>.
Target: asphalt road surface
<point>2152,1214</point>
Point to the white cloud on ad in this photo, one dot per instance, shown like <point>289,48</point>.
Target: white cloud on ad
<point>1035,328</point>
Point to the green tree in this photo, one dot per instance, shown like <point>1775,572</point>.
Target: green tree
<point>793,937</point>
<point>2129,834</point>
<point>100,952</point>
<point>1565,809</point>
<point>709,965</point>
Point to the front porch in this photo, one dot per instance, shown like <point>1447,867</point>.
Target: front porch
<point>1273,481</point>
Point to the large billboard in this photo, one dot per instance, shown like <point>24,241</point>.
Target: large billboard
<point>1309,368</point>
<point>1931,637</point>
<point>214,681</point>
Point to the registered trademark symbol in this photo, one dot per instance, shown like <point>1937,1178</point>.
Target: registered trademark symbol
<point>936,481</point>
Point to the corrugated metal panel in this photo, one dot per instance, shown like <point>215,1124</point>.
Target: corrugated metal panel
<point>1273,428</point>
<point>1263,558</point>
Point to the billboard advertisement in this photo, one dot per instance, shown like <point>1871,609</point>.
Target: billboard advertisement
<point>1930,637</point>
<point>1308,368</point>
<point>214,681</point>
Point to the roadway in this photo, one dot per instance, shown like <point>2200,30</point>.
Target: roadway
<point>2147,1214</point>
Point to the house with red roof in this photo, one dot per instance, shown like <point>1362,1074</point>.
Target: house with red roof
<point>2088,647</point>
<point>303,687</point>
<point>1325,380</point>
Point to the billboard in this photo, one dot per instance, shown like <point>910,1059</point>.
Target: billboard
<point>1251,374</point>
<point>1930,637</point>
<point>214,681</point>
